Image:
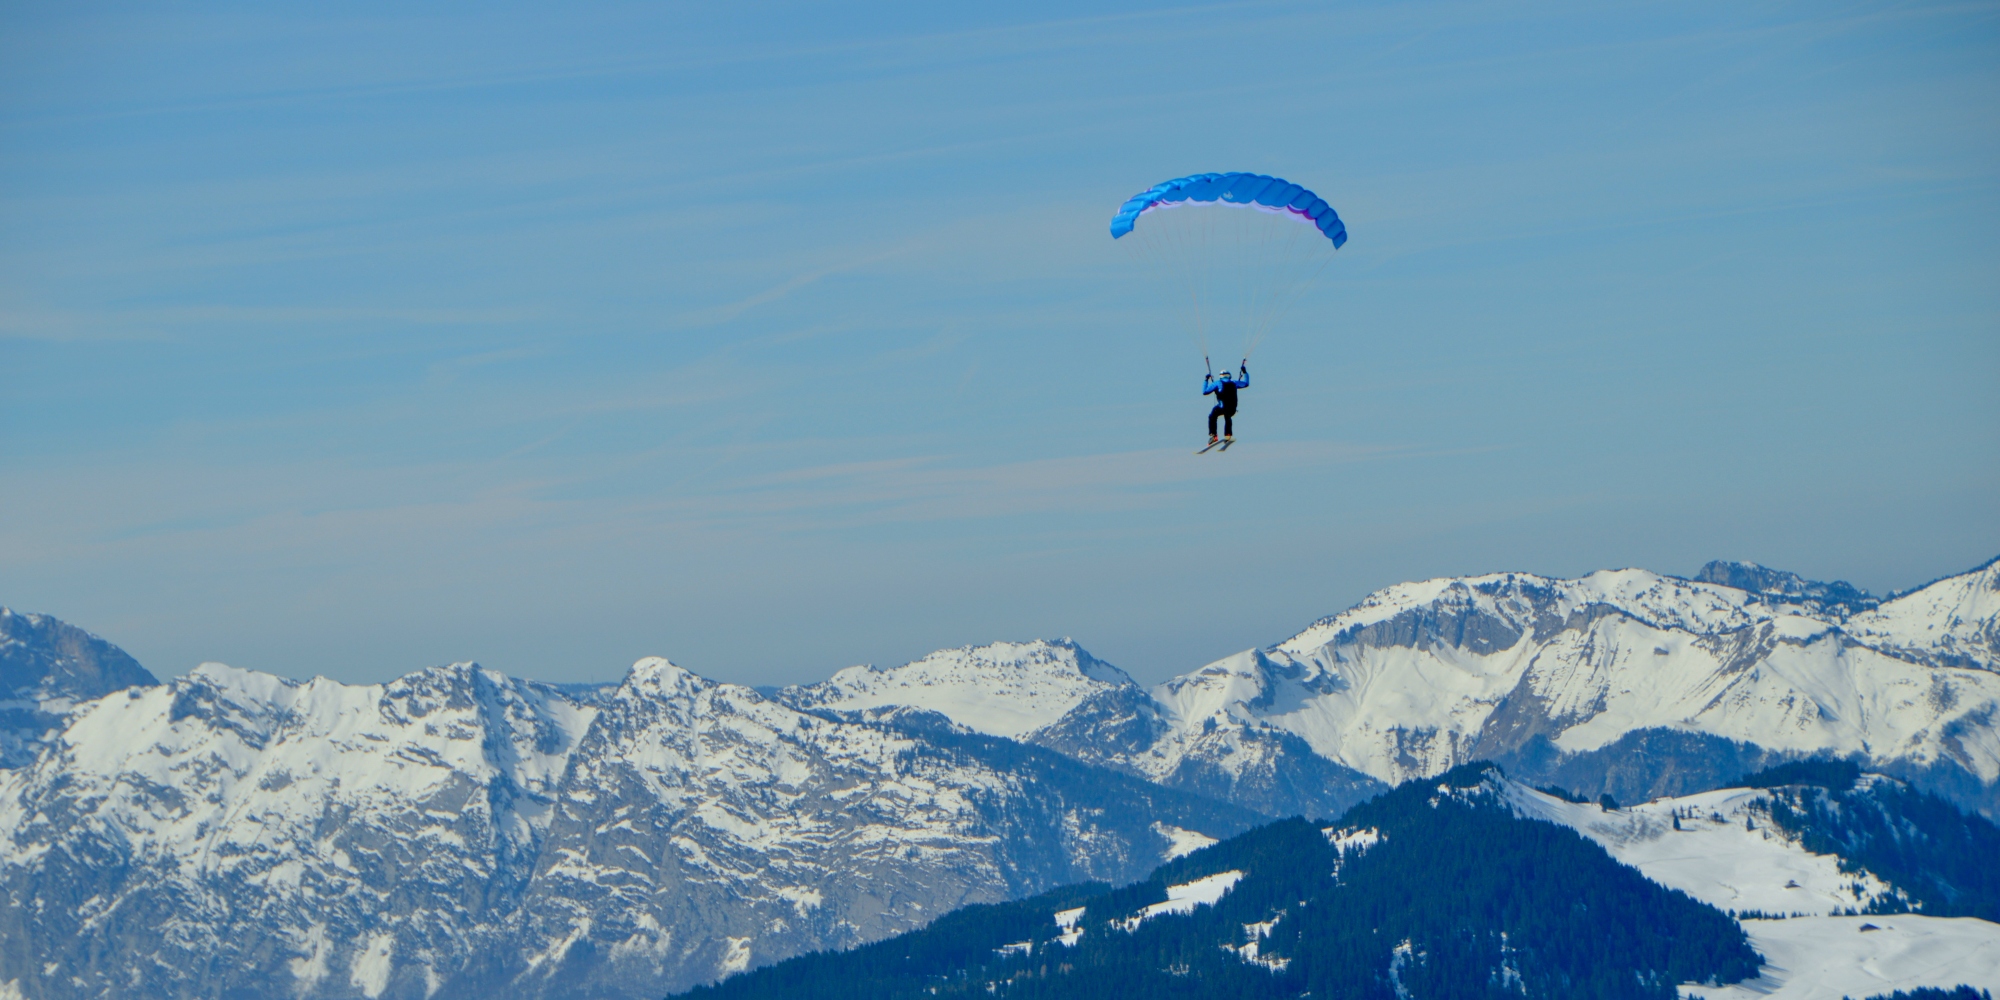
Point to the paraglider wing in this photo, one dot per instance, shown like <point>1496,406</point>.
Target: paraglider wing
<point>1249,190</point>
<point>1239,248</point>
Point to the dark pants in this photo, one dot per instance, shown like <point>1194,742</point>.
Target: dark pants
<point>1228,420</point>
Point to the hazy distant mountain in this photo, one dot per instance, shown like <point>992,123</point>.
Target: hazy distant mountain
<point>47,668</point>
<point>1788,588</point>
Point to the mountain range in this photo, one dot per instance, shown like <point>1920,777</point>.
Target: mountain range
<point>458,832</point>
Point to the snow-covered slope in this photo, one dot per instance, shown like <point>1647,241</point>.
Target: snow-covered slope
<point>1953,622</point>
<point>1835,958</point>
<point>1716,847</point>
<point>1727,854</point>
<point>461,833</point>
<point>1003,689</point>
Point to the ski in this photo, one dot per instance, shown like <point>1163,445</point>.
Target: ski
<point>1211,444</point>
<point>1226,442</point>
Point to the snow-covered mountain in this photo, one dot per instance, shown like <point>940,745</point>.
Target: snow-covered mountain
<point>1623,681</point>
<point>1003,689</point>
<point>460,833</point>
<point>1054,694</point>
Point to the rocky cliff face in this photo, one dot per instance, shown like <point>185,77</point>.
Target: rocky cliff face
<point>46,668</point>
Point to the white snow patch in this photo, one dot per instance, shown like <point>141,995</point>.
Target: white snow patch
<point>651,942</point>
<point>1250,954</point>
<point>1827,958</point>
<point>372,965</point>
<point>1185,897</point>
<point>802,900</point>
<point>1017,948</point>
<point>1181,843</point>
<point>1353,840</point>
<point>311,968</point>
<point>737,958</point>
<point>1066,920</point>
<point>1955,618</point>
<point>557,949</point>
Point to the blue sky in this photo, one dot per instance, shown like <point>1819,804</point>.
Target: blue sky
<point>774,338</point>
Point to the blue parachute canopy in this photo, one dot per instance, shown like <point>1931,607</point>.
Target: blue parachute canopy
<point>1272,194</point>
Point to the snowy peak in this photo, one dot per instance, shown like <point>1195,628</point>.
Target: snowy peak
<point>657,677</point>
<point>1498,608</point>
<point>1954,622</point>
<point>1002,689</point>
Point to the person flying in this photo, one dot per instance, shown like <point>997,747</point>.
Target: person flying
<point>1224,391</point>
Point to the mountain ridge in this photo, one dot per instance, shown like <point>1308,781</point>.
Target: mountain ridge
<point>457,832</point>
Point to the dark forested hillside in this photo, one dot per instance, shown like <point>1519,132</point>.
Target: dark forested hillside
<point>1939,858</point>
<point>1433,890</point>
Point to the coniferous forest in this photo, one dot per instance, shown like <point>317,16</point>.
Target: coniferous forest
<point>1445,894</point>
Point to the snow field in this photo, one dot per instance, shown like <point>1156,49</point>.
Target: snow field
<point>1723,864</point>
<point>1827,958</point>
<point>1733,867</point>
<point>1184,898</point>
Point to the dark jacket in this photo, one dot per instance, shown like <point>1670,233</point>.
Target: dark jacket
<point>1225,388</point>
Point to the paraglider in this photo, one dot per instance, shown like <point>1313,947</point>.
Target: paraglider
<point>1224,391</point>
<point>1235,272</point>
